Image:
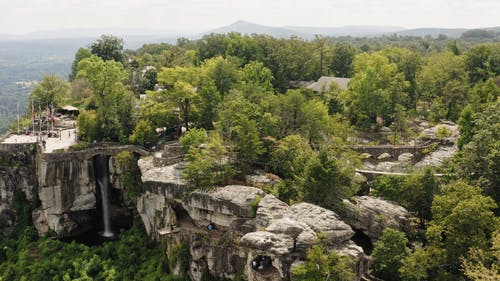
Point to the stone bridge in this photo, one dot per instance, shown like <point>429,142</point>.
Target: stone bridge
<point>393,150</point>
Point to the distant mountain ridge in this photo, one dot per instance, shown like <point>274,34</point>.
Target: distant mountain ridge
<point>135,37</point>
<point>305,32</point>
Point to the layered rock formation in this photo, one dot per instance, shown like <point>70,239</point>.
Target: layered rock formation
<point>227,228</point>
<point>372,215</point>
<point>224,230</point>
<point>17,166</point>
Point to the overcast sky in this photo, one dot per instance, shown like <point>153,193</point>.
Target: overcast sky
<point>24,16</point>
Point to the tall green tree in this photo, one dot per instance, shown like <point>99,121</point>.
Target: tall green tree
<point>443,84</point>
<point>209,165</point>
<point>248,146</point>
<point>108,47</point>
<point>462,218</point>
<point>181,93</point>
<point>113,101</point>
<point>51,91</point>
<point>324,265</point>
<point>223,72</point>
<point>389,253</point>
<point>479,159</point>
<point>408,63</point>
<point>329,178</point>
<point>375,90</point>
<point>419,191</point>
<point>481,62</point>
<point>81,54</point>
<point>342,62</point>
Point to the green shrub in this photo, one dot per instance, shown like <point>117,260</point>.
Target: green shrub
<point>179,256</point>
<point>389,187</point>
<point>254,204</point>
<point>80,146</point>
<point>129,173</point>
<point>193,137</point>
<point>443,132</point>
<point>431,148</point>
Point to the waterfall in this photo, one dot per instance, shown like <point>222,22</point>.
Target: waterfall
<point>102,179</point>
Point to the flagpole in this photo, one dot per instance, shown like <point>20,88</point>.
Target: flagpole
<point>17,106</point>
<point>33,115</point>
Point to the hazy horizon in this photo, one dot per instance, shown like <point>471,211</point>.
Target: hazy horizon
<point>21,17</point>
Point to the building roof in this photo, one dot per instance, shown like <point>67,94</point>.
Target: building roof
<point>325,82</point>
<point>70,108</point>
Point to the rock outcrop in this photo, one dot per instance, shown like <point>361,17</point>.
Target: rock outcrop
<point>17,166</point>
<point>226,228</point>
<point>66,184</point>
<point>372,215</point>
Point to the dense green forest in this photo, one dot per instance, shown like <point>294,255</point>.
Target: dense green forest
<point>237,96</point>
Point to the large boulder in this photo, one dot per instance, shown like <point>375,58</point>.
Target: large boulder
<point>372,215</point>
<point>224,205</point>
<point>323,221</point>
<point>171,174</point>
<point>270,208</point>
<point>268,242</point>
<point>406,157</point>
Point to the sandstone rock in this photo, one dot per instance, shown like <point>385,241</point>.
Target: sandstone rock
<point>287,226</point>
<point>361,262</point>
<point>384,156</point>
<point>166,174</point>
<point>321,220</point>
<point>262,179</point>
<point>431,133</point>
<point>372,215</point>
<point>155,213</point>
<point>305,240</point>
<point>270,208</point>
<point>40,221</point>
<point>436,158</point>
<point>84,202</point>
<point>365,155</point>
<point>406,157</point>
<point>264,241</point>
<point>393,167</point>
<point>223,205</point>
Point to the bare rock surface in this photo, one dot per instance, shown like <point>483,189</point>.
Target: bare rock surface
<point>322,220</point>
<point>165,174</point>
<point>270,208</point>
<point>437,157</point>
<point>372,215</point>
<point>265,241</point>
<point>406,157</point>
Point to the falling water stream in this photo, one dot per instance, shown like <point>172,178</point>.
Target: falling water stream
<point>102,178</point>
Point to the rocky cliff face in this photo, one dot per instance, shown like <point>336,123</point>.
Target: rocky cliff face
<point>225,229</point>
<point>67,192</point>
<point>17,166</point>
<point>372,215</point>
